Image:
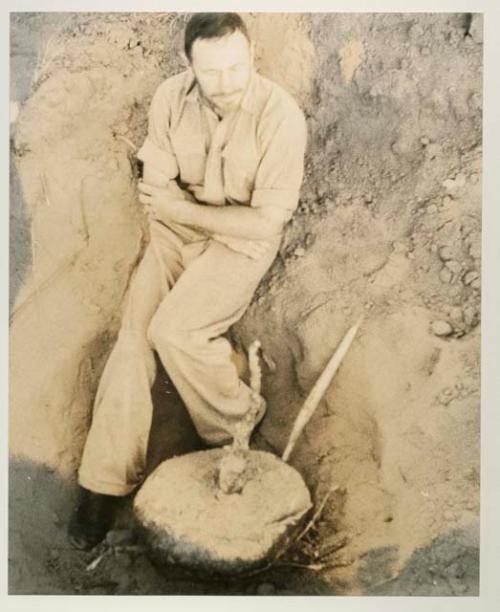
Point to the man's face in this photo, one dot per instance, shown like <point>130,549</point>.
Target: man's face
<point>222,67</point>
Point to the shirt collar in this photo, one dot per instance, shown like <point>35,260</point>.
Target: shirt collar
<point>247,102</point>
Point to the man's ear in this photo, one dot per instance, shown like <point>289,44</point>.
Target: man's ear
<point>184,59</point>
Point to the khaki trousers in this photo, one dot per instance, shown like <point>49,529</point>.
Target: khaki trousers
<point>187,291</point>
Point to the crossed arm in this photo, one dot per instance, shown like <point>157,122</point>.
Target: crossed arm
<point>239,227</point>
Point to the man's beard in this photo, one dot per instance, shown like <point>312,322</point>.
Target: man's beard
<point>225,102</point>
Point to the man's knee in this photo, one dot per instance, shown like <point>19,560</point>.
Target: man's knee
<point>168,330</point>
<point>161,331</point>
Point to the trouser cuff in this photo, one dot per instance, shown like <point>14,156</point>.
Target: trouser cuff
<point>105,488</point>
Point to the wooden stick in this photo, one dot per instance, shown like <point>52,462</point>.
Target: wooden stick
<point>315,567</point>
<point>330,550</point>
<point>92,566</point>
<point>317,513</point>
<point>319,389</point>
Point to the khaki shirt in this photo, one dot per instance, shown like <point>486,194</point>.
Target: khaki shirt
<point>260,147</point>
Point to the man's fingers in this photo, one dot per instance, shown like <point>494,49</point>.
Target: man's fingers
<point>145,188</point>
<point>257,252</point>
<point>253,249</point>
<point>250,248</point>
<point>145,199</point>
<point>198,191</point>
<point>175,190</point>
<point>260,248</point>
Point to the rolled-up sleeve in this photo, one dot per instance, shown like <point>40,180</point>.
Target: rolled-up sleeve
<point>281,169</point>
<point>157,151</point>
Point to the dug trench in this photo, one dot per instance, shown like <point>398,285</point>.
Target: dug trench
<point>388,227</point>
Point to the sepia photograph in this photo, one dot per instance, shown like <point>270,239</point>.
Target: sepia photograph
<point>245,303</point>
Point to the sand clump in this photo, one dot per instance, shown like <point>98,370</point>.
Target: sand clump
<point>388,227</point>
<point>188,520</point>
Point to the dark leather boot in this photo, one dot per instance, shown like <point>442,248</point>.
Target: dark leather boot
<point>92,519</point>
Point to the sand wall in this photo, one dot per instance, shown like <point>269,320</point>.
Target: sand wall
<point>388,229</point>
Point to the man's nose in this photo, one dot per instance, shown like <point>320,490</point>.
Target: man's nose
<point>225,82</point>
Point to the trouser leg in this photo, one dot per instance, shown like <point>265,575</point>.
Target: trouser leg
<point>186,331</point>
<point>114,456</point>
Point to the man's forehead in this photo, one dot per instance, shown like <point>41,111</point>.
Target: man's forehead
<point>220,52</point>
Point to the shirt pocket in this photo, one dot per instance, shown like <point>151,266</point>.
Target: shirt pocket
<point>189,149</point>
<point>239,177</point>
<point>192,167</point>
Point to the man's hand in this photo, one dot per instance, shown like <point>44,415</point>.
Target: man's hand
<point>254,249</point>
<point>163,203</point>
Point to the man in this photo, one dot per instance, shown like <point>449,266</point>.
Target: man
<point>223,164</point>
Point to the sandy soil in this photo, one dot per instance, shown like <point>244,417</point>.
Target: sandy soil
<point>388,227</point>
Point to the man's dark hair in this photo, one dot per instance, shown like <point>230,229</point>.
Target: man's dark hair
<point>212,25</point>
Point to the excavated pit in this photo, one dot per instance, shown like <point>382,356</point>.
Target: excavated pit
<point>388,227</point>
